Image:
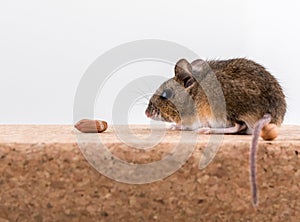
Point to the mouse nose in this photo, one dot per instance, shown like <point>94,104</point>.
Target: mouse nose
<point>147,113</point>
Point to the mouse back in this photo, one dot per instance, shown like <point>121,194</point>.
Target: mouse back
<point>250,91</point>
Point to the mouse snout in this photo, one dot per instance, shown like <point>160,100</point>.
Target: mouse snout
<point>148,113</point>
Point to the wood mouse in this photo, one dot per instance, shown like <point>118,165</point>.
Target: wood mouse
<point>254,100</point>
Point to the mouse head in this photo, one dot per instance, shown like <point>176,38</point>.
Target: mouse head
<point>174,99</point>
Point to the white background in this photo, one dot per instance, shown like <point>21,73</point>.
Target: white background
<point>46,46</point>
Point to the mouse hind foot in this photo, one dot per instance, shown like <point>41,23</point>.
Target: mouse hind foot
<point>228,130</point>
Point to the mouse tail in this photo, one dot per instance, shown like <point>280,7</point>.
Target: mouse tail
<point>256,133</point>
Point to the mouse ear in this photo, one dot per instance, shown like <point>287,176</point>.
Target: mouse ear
<point>184,73</point>
<point>200,68</point>
<point>197,65</point>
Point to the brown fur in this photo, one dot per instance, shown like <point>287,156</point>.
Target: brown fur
<point>250,91</point>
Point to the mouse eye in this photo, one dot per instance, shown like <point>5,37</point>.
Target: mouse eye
<point>166,94</point>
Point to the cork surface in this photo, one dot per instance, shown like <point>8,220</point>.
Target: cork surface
<point>46,177</point>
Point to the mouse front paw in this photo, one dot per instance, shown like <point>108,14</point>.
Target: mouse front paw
<point>175,127</point>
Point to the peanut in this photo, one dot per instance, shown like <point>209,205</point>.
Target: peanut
<point>91,126</point>
<point>269,132</point>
